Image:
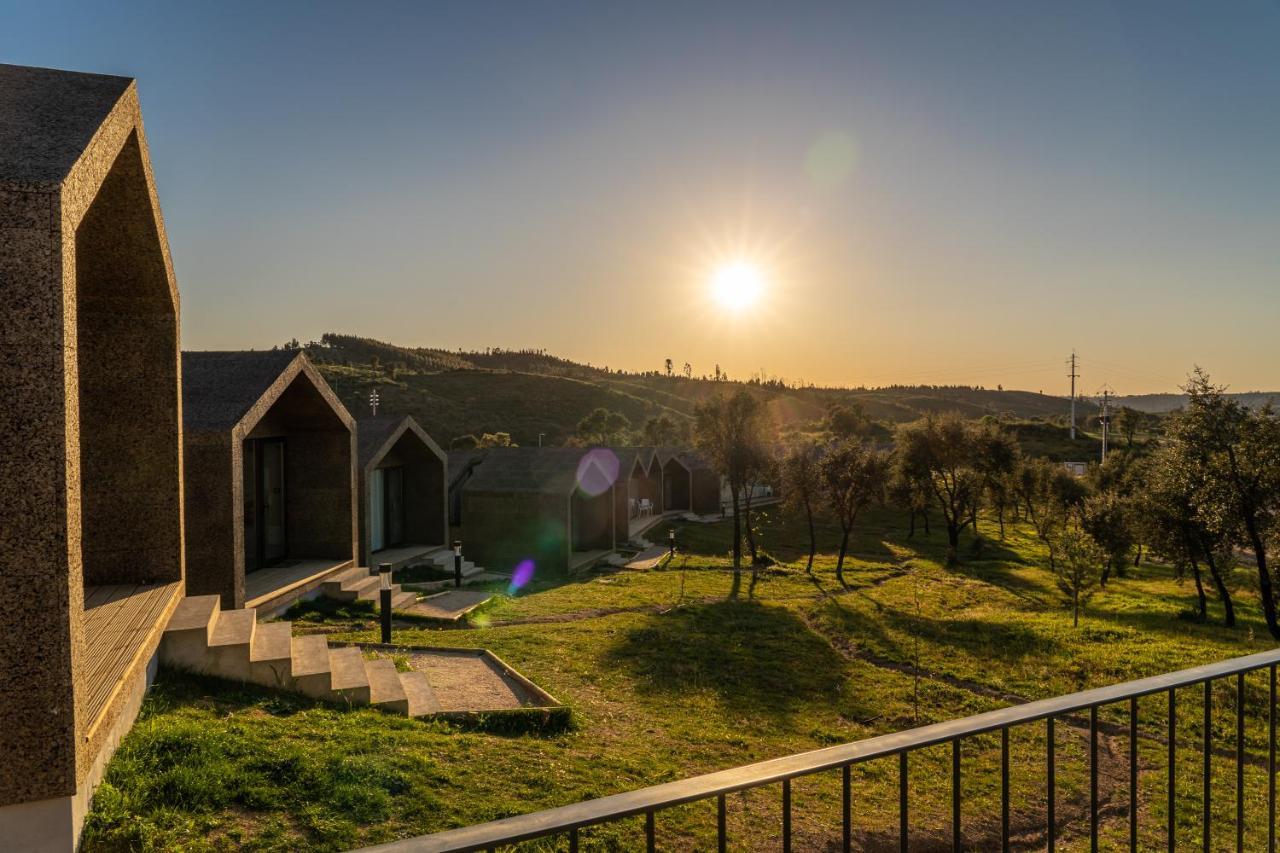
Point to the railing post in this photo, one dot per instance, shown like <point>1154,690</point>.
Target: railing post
<point>903,836</point>
<point>721,835</point>
<point>650,833</point>
<point>786,816</point>
<point>1050,784</point>
<point>1133,773</point>
<point>1093,779</point>
<point>1207,746</point>
<point>1271,764</point>
<point>1004,789</point>
<point>1173,766</point>
<point>955,795</point>
<point>1239,762</point>
<point>847,808</point>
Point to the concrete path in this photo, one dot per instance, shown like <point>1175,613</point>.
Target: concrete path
<point>647,559</point>
<point>466,681</point>
<point>449,606</point>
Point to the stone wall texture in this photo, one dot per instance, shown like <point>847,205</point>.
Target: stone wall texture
<point>91,476</point>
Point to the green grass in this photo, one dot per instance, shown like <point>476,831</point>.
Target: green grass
<point>668,676</point>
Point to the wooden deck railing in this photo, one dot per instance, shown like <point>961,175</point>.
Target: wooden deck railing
<point>568,821</point>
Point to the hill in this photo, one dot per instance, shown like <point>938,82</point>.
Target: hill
<point>531,392</point>
<point>1160,404</point>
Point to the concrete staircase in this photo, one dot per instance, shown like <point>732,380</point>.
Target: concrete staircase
<point>357,584</point>
<point>201,637</point>
<point>444,559</point>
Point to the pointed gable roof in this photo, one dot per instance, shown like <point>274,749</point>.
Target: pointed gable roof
<point>377,434</point>
<point>48,118</point>
<point>232,390</point>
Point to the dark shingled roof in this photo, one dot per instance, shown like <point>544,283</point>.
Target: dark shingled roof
<point>372,431</point>
<point>47,119</point>
<point>553,470</point>
<point>219,388</point>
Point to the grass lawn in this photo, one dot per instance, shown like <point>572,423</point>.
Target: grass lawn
<point>668,677</point>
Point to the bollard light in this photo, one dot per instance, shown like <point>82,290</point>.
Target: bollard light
<point>457,563</point>
<point>384,584</point>
<point>671,539</point>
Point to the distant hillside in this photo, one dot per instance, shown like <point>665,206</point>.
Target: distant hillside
<point>530,392</point>
<point>1163,403</point>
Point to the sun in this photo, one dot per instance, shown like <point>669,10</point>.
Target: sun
<point>737,285</point>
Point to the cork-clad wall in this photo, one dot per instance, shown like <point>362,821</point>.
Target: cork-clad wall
<point>387,440</point>
<point>89,404</point>
<point>234,396</point>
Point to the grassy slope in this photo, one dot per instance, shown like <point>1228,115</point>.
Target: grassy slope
<point>668,678</point>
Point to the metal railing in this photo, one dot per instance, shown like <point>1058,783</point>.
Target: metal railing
<point>567,821</point>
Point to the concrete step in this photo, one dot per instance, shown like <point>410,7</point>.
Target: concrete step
<point>401,600</point>
<point>353,590</point>
<point>185,644</point>
<point>374,593</point>
<point>271,655</point>
<point>349,680</point>
<point>310,666</point>
<point>230,643</point>
<point>421,696</point>
<point>385,690</point>
<point>335,583</point>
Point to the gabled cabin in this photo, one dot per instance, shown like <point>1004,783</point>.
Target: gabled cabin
<point>551,506</point>
<point>705,484</point>
<point>91,533</point>
<point>639,494</point>
<point>270,468</point>
<point>677,481</point>
<point>404,488</point>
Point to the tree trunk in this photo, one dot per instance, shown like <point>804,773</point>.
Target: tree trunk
<point>953,542</point>
<point>1075,608</point>
<point>912,531</point>
<point>737,544</point>
<point>1201,601</point>
<point>813,537</point>
<point>844,548</point>
<point>1000,518</point>
<point>1220,584</point>
<point>1137,557</point>
<point>1264,576</point>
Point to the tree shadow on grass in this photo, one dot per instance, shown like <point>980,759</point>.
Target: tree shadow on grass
<point>757,659</point>
<point>893,633</point>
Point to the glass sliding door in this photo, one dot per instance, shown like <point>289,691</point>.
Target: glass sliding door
<point>377,510</point>
<point>395,506</point>
<point>266,540</point>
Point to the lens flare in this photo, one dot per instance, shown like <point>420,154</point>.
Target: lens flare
<point>597,471</point>
<point>521,577</point>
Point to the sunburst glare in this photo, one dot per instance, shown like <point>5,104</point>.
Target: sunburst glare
<point>737,285</point>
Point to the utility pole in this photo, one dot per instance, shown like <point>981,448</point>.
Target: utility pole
<point>1105,420</point>
<point>1073,375</point>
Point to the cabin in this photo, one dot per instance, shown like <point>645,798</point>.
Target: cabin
<point>705,484</point>
<point>551,507</point>
<point>404,488</point>
<point>271,483</point>
<point>677,480</point>
<point>639,494</point>
<point>91,524</point>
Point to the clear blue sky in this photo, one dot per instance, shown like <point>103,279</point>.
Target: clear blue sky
<point>952,192</point>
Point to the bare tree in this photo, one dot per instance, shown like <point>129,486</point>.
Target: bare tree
<point>801,486</point>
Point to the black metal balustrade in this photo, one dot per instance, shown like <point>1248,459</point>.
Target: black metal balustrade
<point>568,821</point>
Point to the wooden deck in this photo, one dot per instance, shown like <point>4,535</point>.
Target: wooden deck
<point>276,585</point>
<point>118,622</point>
